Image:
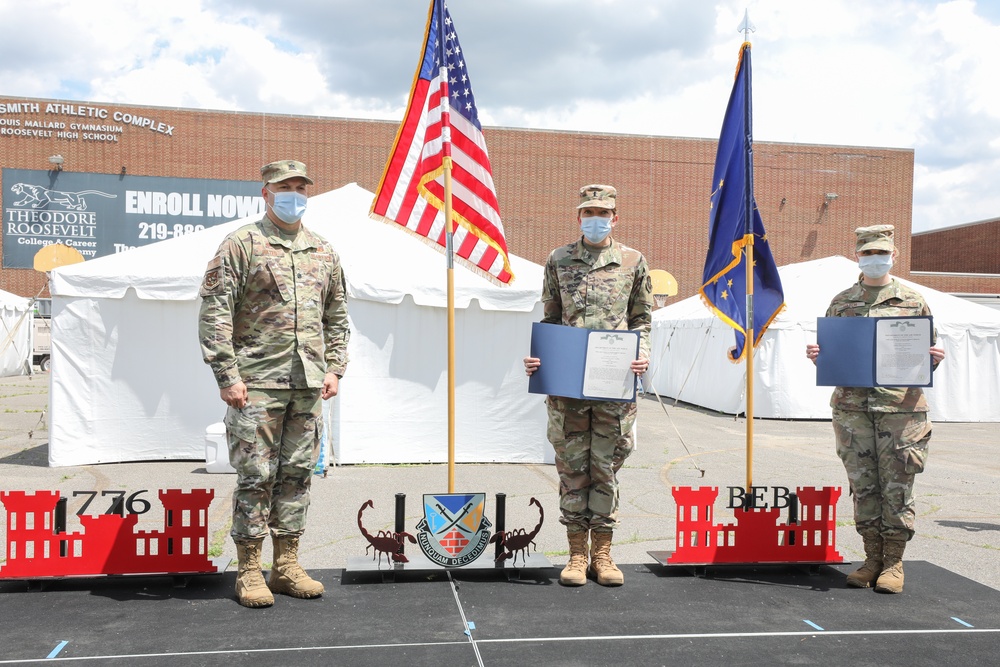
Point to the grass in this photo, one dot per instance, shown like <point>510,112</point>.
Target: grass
<point>23,393</point>
<point>635,538</point>
<point>215,548</point>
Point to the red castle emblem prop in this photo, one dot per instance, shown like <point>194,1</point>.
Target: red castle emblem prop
<point>757,536</point>
<point>108,543</point>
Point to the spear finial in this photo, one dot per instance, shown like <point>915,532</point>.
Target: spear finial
<point>746,26</point>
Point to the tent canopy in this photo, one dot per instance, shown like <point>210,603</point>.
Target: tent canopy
<point>128,381</point>
<point>689,352</point>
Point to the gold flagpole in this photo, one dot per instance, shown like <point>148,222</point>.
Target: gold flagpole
<point>748,349</point>
<point>451,327</point>
<point>748,344</point>
<point>446,162</point>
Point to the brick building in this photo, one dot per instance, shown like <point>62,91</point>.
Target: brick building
<point>969,248</point>
<point>811,197</point>
<point>963,259</point>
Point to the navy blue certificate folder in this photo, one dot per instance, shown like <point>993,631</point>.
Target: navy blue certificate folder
<point>847,351</point>
<point>563,352</point>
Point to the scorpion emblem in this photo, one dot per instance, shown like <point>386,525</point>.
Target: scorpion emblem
<point>385,542</point>
<point>517,541</point>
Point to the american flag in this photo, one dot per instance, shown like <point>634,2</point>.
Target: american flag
<point>411,192</point>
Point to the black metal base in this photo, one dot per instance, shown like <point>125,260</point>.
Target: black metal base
<point>178,579</point>
<point>700,569</point>
<point>418,562</point>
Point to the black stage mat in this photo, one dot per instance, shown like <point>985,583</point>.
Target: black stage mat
<point>744,615</point>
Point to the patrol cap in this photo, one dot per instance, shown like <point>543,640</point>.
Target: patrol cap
<point>282,170</point>
<point>876,237</point>
<point>598,196</point>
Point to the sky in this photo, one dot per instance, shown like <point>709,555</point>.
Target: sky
<point>911,74</point>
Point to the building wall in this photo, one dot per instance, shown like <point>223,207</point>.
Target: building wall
<point>955,283</point>
<point>971,248</point>
<point>963,259</point>
<point>664,182</point>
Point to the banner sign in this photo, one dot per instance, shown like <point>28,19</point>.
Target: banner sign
<point>102,214</point>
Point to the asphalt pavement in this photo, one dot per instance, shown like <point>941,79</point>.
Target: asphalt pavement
<point>958,497</point>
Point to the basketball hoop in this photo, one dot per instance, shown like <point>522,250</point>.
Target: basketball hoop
<point>56,255</point>
<point>664,286</point>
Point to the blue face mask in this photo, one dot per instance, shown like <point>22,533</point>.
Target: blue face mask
<point>595,228</point>
<point>289,206</point>
<point>875,266</point>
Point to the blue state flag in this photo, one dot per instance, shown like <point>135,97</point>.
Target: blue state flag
<point>732,231</point>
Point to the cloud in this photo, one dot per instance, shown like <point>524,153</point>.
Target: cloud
<point>897,73</point>
<point>539,53</point>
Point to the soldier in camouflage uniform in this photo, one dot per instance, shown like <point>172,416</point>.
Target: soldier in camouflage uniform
<point>594,283</point>
<point>274,330</point>
<point>882,433</point>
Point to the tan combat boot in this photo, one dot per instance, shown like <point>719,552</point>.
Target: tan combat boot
<point>866,575</point>
<point>287,576</point>
<point>575,572</point>
<point>891,579</point>
<point>251,591</point>
<point>601,565</point>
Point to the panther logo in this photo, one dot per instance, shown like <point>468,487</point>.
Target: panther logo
<point>36,196</point>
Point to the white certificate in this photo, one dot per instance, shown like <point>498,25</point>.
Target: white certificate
<point>901,352</point>
<point>608,371</point>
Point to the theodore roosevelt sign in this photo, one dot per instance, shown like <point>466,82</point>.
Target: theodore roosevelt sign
<point>101,214</point>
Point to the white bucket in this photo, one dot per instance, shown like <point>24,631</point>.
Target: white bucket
<point>217,449</point>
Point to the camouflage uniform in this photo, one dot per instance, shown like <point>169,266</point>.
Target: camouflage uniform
<point>882,433</point>
<point>608,288</point>
<point>274,315</point>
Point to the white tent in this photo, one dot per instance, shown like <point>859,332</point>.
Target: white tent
<point>16,320</point>
<point>128,382</point>
<point>689,347</point>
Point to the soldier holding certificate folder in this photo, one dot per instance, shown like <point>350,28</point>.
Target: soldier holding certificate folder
<point>594,283</point>
<point>882,433</point>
